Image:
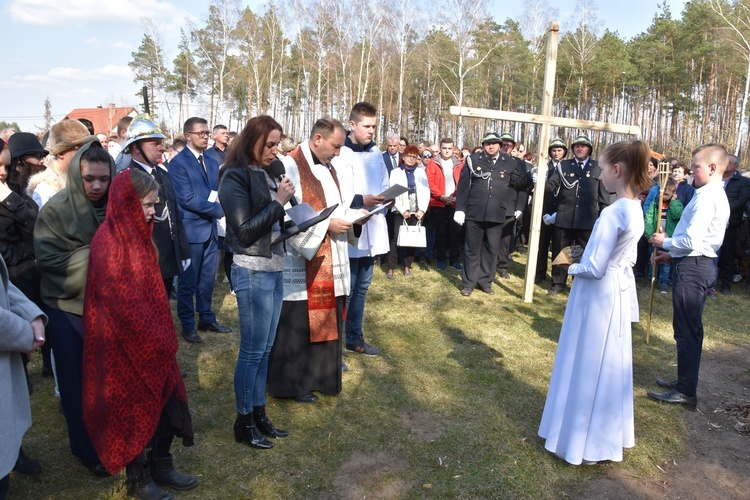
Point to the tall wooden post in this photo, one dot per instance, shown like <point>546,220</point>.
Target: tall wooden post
<point>550,68</point>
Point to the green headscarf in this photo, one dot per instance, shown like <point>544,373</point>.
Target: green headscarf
<point>63,232</point>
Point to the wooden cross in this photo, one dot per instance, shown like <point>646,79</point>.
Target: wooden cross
<point>545,120</point>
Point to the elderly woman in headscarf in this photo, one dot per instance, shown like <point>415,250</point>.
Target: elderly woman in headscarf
<point>65,138</point>
<point>133,393</point>
<point>63,233</point>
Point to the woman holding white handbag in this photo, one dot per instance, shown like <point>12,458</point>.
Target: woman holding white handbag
<point>411,207</point>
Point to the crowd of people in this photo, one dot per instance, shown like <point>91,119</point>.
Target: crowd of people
<point>95,236</point>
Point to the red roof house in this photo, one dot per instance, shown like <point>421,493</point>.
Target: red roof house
<point>104,119</point>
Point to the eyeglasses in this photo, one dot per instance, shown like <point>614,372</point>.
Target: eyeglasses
<point>204,133</point>
<point>427,156</point>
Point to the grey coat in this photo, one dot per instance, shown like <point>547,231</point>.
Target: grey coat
<point>16,314</point>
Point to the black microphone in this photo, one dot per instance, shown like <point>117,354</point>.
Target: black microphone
<point>279,171</point>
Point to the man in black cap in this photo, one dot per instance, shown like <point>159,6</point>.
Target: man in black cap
<point>486,200</point>
<point>557,151</point>
<point>27,158</point>
<point>580,196</point>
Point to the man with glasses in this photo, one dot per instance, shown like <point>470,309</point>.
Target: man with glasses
<point>392,156</point>
<point>195,177</point>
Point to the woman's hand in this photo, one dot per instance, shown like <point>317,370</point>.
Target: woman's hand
<point>419,214</point>
<point>406,214</point>
<point>37,328</point>
<point>285,191</point>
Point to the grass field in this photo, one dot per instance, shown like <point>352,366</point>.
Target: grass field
<point>450,409</point>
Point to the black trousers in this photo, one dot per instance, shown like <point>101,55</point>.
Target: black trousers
<point>407,252</point>
<point>447,234</point>
<point>727,255</point>
<point>503,250</point>
<point>65,334</point>
<point>545,237</point>
<point>691,278</point>
<point>481,248</point>
<point>561,238</point>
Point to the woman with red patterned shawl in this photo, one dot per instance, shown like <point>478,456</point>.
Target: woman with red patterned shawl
<point>133,393</point>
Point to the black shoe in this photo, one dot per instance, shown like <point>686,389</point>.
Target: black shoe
<point>141,484</point>
<point>98,470</point>
<point>675,397</point>
<point>306,398</point>
<point>666,384</point>
<point>555,290</point>
<point>246,431</point>
<point>363,348</point>
<point>488,291</point>
<point>192,337</point>
<point>26,465</point>
<point>264,424</point>
<point>213,327</point>
<point>539,279</point>
<point>503,273</point>
<point>164,474</point>
<point>466,292</point>
<point>344,368</point>
<point>726,290</point>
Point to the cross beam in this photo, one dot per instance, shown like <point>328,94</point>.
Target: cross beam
<point>545,119</point>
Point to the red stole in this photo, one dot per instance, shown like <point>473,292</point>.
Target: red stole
<point>321,295</point>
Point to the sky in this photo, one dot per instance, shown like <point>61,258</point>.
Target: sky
<point>76,52</point>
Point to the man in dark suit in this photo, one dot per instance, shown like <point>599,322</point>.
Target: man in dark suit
<point>195,178</point>
<point>145,143</point>
<point>391,156</point>
<point>737,189</point>
<point>579,196</point>
<point>221,141</point>
<point>557,151</point>
<point>486,201</point>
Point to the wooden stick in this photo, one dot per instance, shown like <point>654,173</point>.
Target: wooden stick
<point>663,178</point>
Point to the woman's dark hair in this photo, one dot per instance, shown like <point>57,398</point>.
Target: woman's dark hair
<point>96,153</point>
<point>241,152</point>
<point>409,150</point>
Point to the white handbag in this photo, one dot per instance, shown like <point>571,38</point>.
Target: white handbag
<point>412,236</point>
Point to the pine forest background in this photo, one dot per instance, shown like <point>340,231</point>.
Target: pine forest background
<point>684,81</point>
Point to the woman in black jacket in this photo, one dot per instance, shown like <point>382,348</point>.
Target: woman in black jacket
<point>253,203</point>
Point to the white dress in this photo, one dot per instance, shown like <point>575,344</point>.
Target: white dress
<point>588,414</point>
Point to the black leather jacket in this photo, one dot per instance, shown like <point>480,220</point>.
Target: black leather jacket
<point>250,212</point>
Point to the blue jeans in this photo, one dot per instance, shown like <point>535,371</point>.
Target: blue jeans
<point>361,273</point>
<point>259,298</point>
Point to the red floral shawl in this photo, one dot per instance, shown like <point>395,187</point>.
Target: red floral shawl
<point>129,365</point>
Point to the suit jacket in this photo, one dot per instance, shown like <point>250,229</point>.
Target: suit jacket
<point>16,314</point>
<point>168,236</point>
<point>578,207</point>
<point>388,163</point>
<point>192,187</point>
<point>494,199</point>
<point>738,194</point>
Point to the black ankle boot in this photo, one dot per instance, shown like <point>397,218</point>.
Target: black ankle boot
<point>26,465</point>
<point>141,484</point>
<point>264,424</point>
<point>164,473</point>
<point>245,430</point>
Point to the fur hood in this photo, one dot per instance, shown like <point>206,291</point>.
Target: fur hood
<point>52,176</point>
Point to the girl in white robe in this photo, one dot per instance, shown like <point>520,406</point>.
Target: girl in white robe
<point>588,415</point>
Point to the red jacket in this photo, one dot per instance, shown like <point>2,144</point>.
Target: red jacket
<point>436,180</point>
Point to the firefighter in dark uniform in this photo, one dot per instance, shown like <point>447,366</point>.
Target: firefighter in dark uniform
<point>486,201</point>
<point>557,151</point>
<point>579,196</point>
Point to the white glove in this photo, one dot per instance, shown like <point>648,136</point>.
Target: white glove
<point>517,214</point>
<point>549,219</point>
<point>185,264</point>
<point>459,217</point>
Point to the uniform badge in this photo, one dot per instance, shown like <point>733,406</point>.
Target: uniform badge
<point>502,174</point>
<point>588,174</point>
<point>572,174</point>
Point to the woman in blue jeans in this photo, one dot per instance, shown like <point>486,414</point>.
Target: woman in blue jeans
<point>253,203</point>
